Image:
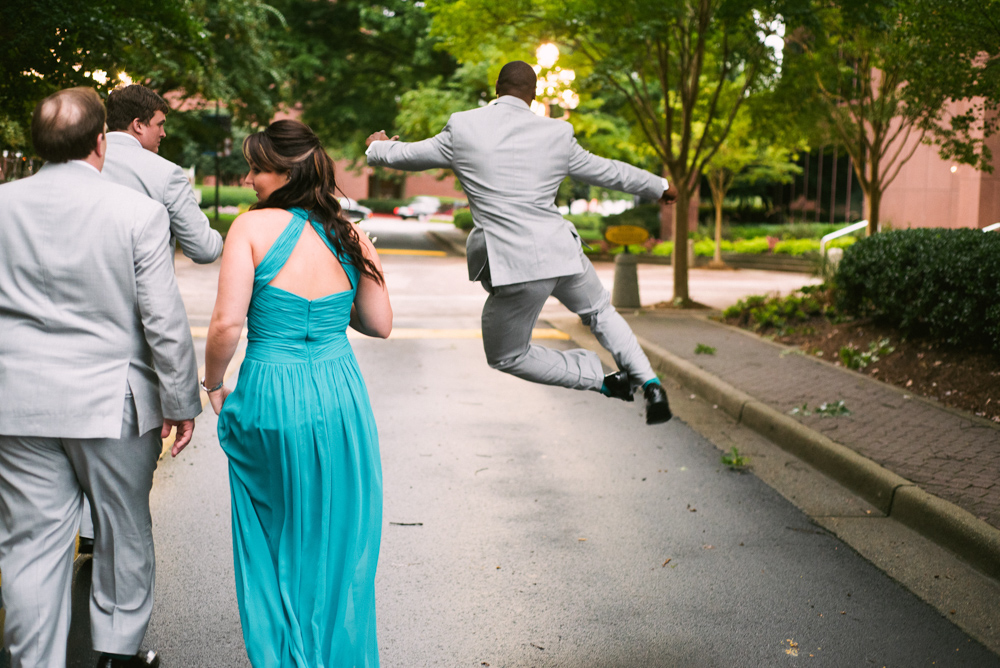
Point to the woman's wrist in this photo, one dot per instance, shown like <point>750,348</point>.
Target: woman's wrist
<point>209,389</point>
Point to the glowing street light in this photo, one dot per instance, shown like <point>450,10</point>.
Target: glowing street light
<point>547,54</point>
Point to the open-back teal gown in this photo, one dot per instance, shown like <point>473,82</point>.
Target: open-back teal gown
<point>305,477</point>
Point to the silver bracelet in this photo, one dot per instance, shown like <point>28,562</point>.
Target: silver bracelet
<point>209,390</point>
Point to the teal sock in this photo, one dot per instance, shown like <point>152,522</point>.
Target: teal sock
<point>120,657</point>
<point>651,381</point>
<point>604,390</point>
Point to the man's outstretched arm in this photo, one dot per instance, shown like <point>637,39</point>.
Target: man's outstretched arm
<point>433,153</point>
<point>597,171</point>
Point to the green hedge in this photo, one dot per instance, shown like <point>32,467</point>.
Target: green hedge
<point>463,219</point>
<point>225,221</point>
<point>927,282</point>
<point>228,195</point>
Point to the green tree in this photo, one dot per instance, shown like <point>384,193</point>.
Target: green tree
<point>954,55</point>
<point>683,68</point>
<point>210,48</point>
<point>351,62</point>
<point>744,158</point>
<point>886,72</point>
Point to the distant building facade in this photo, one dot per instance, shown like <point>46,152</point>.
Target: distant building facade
<point>932,192</point>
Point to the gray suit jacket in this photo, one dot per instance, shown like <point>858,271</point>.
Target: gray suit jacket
<point>129,164</point>
<point>89,309</point>
<point>510,163</point>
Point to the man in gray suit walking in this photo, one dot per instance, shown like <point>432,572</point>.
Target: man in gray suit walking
<point>510,163</point>
<point>96,366</point>
<point>136,117</point>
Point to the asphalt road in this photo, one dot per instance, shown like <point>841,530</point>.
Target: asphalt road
<point>536,526</point>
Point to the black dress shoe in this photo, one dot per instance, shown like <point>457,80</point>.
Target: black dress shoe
<point>86,546</point>
<point>619,385</point>
<point>657,407</point>
<point>144,659</point>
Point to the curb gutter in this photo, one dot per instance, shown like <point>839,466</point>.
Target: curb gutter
<point>452,245</point>
<point>941,521</point>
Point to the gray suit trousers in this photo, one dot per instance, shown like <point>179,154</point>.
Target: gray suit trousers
<point>42,485</point>
<point>511,311</point>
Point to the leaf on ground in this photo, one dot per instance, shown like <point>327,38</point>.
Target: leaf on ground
<point>703,349</point>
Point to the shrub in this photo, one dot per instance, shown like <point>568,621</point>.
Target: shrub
<point>663,249</point>
<point>225,222</point>
<point>228,196</point>
<point>927,282</point>
<point>382,205</point>
<point>752,246</point>
<point>797,246</point>
<point>463,219</point>
<point>784,232</point>
<point>761,312</point>
<point>842,242</point>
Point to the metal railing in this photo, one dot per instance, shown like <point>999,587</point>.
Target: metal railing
<point>853,227</point>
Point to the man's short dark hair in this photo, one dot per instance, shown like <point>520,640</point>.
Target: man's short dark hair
<point>517,78</point>
<point>128,103</point>
<point>66,125</point>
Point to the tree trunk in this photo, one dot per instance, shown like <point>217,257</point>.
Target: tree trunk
<point>680,257</point>
<point>718,230</point>
<point>874,200</point>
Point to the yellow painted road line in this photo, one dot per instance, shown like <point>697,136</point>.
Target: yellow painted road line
<point>398,333</point>
<point>405,251</point>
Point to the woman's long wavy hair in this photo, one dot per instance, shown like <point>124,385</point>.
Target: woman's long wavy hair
<point>291,147</point>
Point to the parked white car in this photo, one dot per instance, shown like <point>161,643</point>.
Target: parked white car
<point>353,211</point>
<point>420,207</point>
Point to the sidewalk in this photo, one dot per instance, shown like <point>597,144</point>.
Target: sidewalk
<point>931,467</point>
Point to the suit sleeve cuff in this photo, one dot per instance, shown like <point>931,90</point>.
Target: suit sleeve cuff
<point>666,186</point>
<point>368,152</point>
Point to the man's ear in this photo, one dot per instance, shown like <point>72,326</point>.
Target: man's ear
<point>102,145</point>
<point>135,126</point>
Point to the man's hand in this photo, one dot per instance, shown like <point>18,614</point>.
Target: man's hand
<point>185,428</point>
<point>669,195</point>
<point>379,136</point>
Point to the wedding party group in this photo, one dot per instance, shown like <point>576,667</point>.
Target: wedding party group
<point>98,365</point>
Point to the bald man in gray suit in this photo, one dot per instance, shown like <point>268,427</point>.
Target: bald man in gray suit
<point>96,366</point>
<point>510,163</point>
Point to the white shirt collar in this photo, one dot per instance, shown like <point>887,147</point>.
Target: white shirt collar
<point>122,132</point>
<point>87,164</point>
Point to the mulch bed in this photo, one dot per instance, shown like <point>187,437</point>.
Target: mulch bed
<point>963,379</point>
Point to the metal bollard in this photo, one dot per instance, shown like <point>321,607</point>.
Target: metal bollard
<point>625,291</point>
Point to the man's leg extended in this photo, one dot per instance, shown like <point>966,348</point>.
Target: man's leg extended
<point>584,294</point>
<point>117,475</point>
<point>509,315</point>
<point>40,506</point>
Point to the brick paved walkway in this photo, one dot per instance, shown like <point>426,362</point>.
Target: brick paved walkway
<point>950,455</point>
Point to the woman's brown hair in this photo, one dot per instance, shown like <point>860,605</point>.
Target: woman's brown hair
<point>292,147</point>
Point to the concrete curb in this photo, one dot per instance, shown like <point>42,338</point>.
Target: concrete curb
<point>453,245</point>
<point>943,522</point>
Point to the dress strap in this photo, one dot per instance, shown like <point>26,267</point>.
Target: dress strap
<point>279,252</point>
<point>345,261</point>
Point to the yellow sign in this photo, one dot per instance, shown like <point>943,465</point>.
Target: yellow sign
<point>626,235</point>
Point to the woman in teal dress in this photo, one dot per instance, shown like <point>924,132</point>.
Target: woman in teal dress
<point>298,429</point>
